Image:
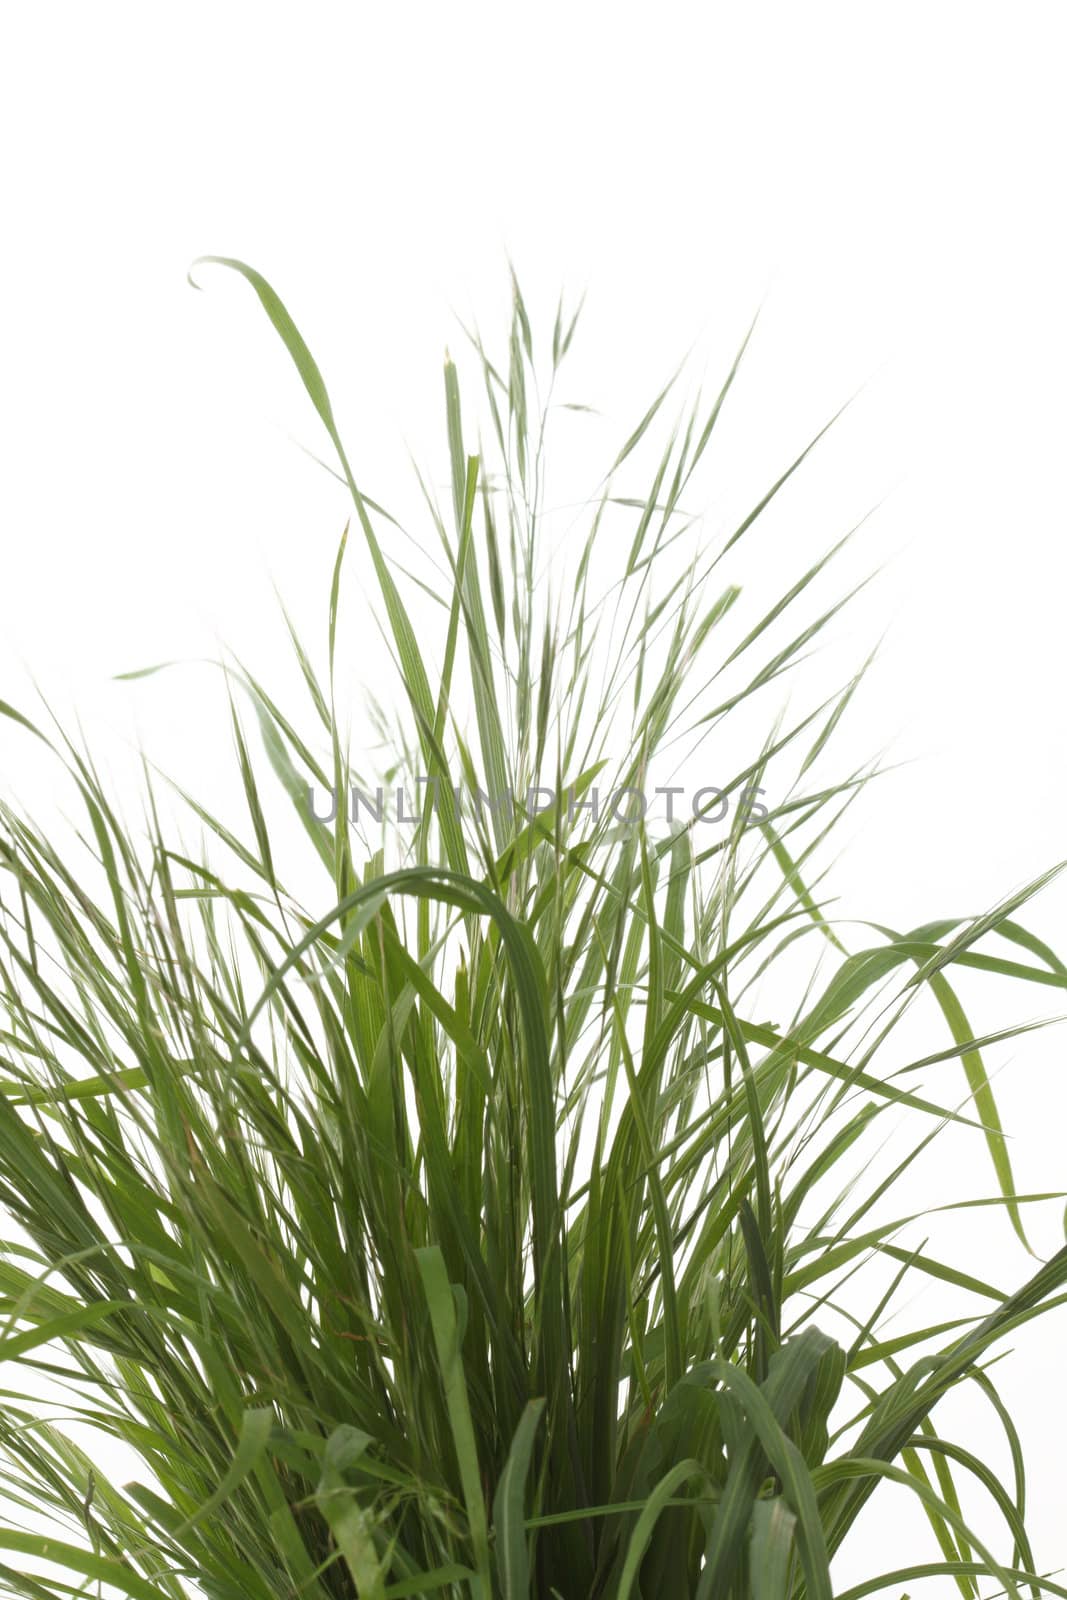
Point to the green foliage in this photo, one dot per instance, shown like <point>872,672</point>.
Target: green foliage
<point>463,1232</point>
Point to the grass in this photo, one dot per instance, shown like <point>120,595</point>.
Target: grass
<point>465,1227</point>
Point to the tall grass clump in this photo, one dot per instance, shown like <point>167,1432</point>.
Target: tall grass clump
<point>462,1225</point>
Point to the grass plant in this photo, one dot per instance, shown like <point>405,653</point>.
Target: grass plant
<point>464,1227</point>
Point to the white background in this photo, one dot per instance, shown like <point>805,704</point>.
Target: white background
<point>886,180</point>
